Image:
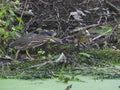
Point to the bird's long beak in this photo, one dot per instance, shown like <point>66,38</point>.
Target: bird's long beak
<point>56,40</point>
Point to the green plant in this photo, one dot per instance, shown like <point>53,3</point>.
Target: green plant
<point>86,55</point>
<point>42,53</point>
<point>103,29</point>
<point>1,52</point>
<point>7,13</point>
<point>9,29</point>
<point>106,56</point>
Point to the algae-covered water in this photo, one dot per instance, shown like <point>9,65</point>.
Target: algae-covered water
<point>86,83</point>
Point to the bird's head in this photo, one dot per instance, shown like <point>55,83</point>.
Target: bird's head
<point>46,32</point>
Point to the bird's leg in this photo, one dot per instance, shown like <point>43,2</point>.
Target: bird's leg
<point>29,55</point>
<point>16,56</point>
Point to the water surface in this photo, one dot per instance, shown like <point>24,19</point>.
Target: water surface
<point>53,84</point>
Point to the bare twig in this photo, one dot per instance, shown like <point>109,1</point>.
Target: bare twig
<point>104,33</point>
<point>24,8</point>
<point>101,35</point>
<point>47,3</point>
<point>113,7</point>
<point>62,58</point>
<point>82,28</point>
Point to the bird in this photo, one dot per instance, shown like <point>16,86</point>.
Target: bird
<point>49,33</point>
<point>32,40</point>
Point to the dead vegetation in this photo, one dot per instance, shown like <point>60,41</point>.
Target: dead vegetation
<point>69,17</point>
<point>84,26</point>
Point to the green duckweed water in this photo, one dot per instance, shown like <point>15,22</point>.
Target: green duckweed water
<point>54,84</point>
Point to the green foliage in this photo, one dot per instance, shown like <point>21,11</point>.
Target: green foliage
<point>7,11</point>
<point>1,52</point>
<point>86,55</point>
<point>2,23</point>
<point>103,30</point>
<point>49,56</point>
<point>42,53</point>
<point>3,34</point>
<point>105,56</point>
<point>8,30</point>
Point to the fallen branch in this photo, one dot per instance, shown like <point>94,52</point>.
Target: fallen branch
<point>61,58</point>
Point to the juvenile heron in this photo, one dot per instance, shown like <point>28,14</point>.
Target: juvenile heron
<point>32,40</point>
